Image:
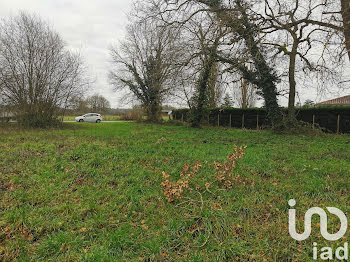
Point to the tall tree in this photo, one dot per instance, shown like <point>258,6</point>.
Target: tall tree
<point>78,105</point>
<point>207,35</point>
<point>144,65</point>
<point>203,86</point>
<point>215,90</point>
<point>234,15</point>
<point>38,74</point>
<point>246,95</point>
<point>301,31</point>
<point>264,77</point>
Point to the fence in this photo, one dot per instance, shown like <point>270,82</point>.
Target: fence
<point>332,119</point>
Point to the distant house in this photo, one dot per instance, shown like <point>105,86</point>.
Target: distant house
<point>344,101</point>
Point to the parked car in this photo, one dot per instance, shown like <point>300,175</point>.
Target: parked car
<point>90,118</point>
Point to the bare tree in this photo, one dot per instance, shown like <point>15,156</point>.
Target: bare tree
<point>259,34</point>
<point>205,36</point>
<point>345,11</point>
<point>201,95</point>
<point>98,103</point>
<point>296,30</point>
<point>77,105</point>
<point>236,17</point>
<point>38,74</point>
<point>144,65</point>
<point>245,95</point>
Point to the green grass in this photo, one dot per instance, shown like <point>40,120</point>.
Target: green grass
<point>92,193</point>
<point>107,118</point>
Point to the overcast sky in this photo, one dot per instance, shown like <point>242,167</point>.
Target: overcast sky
<point>91,27</point>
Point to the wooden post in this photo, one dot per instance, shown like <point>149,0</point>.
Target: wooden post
<point>182,118</point>
<point>230,120</point>
<point>257,122</point>
<point>313,122</point>
<point>243,121</point>
<point>218,119</point>
<point>338,125</point>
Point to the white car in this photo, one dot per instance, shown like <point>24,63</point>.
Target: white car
<point>90,118</point>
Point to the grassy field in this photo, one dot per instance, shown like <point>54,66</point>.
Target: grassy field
<point>108,118</point>
<point>93,193</point>
<point>105,118</point>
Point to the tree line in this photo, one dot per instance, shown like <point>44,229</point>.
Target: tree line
<point>196,50</point>
<point>94,104</point>
<point>204,53</point>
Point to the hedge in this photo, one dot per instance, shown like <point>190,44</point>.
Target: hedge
<point>5,119</point>
<point>332,118</point>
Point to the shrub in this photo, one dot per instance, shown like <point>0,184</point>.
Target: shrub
<point>38,121</point>
<point>133,115</point>
<point>4,119</point>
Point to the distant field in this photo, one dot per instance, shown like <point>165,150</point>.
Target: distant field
<point>93,193</point>
<point>105,118</point>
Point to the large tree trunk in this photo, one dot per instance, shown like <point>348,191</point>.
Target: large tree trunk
<point>292,82</point>
<point>154,111</point>
<point>202,89</point>
<point>265,80</point>
<point>213,95</point>
<point>244,93</point>
<point>345,6</point>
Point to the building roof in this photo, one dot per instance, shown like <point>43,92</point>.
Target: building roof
<point>345,100</point>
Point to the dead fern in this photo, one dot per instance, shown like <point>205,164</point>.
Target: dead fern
<point>225,176</point>
<point>225,170</point>
<point>174,191</point>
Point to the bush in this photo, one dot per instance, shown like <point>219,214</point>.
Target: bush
<point>298,128</point>
<point>5,119</point>
<point>134,115</point>
<point>38,121</point>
